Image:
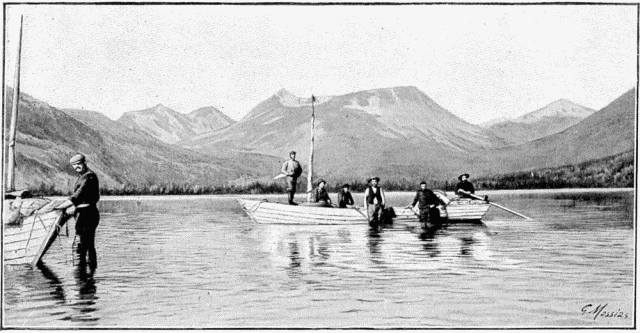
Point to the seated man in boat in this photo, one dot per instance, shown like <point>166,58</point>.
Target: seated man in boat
<point>374,200</point>
<point>464,187</point>
<point>292,170</point>
<point>320,194</point>
<point>85,199</point>
<point>427,205</point>
<point>345,200</point>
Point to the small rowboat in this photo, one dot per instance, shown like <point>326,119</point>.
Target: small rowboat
<point>30,226</point>
<point>464,210</point>
<point>265,212</point>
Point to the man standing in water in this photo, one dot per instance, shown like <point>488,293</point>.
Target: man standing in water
<point>374,201</point>
<point>85,198</point>
<point>292,170</point>
<point>427,205</point>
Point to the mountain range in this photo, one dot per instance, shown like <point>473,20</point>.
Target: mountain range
<point>48,136</point>
<point>170,126</point>
<point>548,120</point>
<point>396,133</point>
<point>607,132</point>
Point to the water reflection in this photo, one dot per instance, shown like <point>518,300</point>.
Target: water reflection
<point>428,237</point>
<point>459,239</point>
<point>86,303</point>
<point>54,283</point>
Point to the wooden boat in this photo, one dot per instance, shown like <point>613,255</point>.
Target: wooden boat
<point>277,213</point>
<point>457,210</point>
<point>264,212</point>
<point>30,226</point>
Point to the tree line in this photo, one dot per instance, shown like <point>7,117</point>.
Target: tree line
<point>615,171</point>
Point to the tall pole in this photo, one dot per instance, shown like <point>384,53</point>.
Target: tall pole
<point>11,182</point>
<point>310,173</point>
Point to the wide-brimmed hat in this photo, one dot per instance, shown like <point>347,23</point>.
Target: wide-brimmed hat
<point>423,182</point>
<point>321,181</point>
<point>376,178</point>
<point>346,185</point>
<point>78,158</point>
<point>464,174</point>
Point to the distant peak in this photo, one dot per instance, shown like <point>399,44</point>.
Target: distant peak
<point>284,93</point>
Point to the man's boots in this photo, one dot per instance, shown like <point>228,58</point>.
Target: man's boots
<point>291,198</point>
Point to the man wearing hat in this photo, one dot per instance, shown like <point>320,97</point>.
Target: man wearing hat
<point>85,198</point>
<point>345,200</point>
<point>374,200</point>
<point>320,194</point>
<point>464,187</point>
<point>427,205</point>
<point>292,170</point>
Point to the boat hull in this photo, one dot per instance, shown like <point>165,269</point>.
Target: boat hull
<point>26,239</point>
<point>276,213</point>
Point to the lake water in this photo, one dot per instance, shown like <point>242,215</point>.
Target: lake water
<point>200,262</point>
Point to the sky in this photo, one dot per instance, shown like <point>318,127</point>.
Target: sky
<point>480,62</point>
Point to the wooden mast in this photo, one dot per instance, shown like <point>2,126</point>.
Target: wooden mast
<point>310,173</point>
<point>11,183</point>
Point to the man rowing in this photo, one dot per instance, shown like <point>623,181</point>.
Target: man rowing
<point>464,187</point>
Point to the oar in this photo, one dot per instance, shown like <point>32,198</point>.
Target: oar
<point>501,207</point>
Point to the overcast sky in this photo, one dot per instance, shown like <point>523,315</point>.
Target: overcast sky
<point>479,62</point>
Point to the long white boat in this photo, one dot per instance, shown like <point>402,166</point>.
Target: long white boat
<point>30,226</point>
<point>265,212</point>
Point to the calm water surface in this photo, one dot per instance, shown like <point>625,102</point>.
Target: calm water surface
<point>200,262</point>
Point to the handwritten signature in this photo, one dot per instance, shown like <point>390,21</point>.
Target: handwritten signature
<point>599,311</point>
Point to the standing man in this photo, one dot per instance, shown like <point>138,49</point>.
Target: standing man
<point>374,201</point>
<point>292,170</point>
<point>345,199</point>
<point>85,198</point>
<point>321,194</point>
<point>427,205</point>
<point>464,187</point>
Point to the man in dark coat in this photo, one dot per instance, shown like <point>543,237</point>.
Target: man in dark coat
<point>427,205</point>
<point>292,170</point>
<point>321,194</point>
<point>85,199</point>
<point>464,187</point>
<point>344,197</point>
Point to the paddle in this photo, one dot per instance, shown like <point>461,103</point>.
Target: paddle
<point>279,176</point>
<point>495,204</point>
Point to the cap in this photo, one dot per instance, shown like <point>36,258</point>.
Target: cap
<point>292,152</point>
<point>78,158</point>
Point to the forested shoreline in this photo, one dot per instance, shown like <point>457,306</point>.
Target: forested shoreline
<point>615,171</point>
